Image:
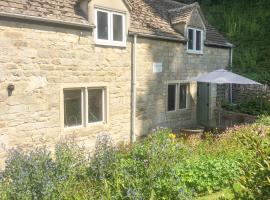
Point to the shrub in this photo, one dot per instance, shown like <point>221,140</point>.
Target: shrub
<point>36,175</point>
<point>28,176</point>
<point>255,182</point>
<point>160,166</point>
<point>263,120</point>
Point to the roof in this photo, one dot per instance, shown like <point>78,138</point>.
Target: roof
<point>182,14</point>
<point>62,10</point>
<point>148,17</point>
<point>156,17</point>
<point>151,17</point>
<point>214,38</point>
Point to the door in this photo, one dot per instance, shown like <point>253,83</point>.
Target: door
<point>203,101</point>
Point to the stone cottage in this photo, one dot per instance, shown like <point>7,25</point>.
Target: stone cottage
<point>80,68</point>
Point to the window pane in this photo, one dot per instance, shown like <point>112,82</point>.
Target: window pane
<point>72,108</point>
<point>95,108</point>
<point>198,40</point>
<point>102,25</point>
<point>190,39</point>
<point>183,97</point>
<point>117,27</point>
<point>171,97</point>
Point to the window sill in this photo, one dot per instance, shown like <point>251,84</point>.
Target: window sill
<point>179,110</point>
<point>89,125</point>
<point>111,44</point>
<point>195,52</point>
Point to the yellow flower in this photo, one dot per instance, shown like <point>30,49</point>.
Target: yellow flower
<point>172,136</point>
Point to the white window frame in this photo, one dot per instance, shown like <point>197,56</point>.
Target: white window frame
<point>110,41</point>
<point>177,98</point>
<point>84,106</point>
<point>194,51</point>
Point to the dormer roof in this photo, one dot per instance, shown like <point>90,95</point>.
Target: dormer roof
<point>150,17</point>
<point>157,18</point>
<point>182,14</point>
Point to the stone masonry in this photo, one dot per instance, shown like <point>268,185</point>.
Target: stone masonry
<point>39,60</point>
<point>177,66</point>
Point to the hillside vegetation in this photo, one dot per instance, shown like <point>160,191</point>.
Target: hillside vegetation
<point>246,24</point>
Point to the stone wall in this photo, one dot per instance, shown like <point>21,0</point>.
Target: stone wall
<point>177,66</point>
<point>242,93</point>
<point>39,60</point>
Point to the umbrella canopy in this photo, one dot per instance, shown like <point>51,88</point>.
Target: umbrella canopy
<point>223,76</point>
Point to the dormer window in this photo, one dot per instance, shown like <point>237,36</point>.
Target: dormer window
<point>195,41</point>
<point>110,28</point>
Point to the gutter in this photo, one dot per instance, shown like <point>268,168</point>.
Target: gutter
<point>158,37</point>
<point>133,90</point>
<point>228,45</point>
<point>46,21</point>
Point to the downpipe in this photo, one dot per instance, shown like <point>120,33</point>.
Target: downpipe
<point>133,90</point>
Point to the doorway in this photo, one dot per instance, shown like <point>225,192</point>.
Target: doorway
<point>203,103</point>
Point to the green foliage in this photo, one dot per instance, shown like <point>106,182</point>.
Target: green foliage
<point>208,174</point>
<point>247,30</point>
<point>160,166</point>
<point>255,182</point>
<point>264,120</point>
<point>36,175</point>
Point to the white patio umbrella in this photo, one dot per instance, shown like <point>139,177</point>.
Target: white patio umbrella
<point>223,76</point>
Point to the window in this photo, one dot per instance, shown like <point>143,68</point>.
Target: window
<point>195,42</point>
<point>177,96</point>
<point>95,105</point>
<point>84,106</point>
<point>183,96</point>
<point>171,97</point>
<point>102,25</point>
<point>110,28</point>
<point>73,107</point>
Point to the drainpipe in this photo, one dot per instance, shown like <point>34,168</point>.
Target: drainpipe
<point>133,91</point>
<point>231,66</point>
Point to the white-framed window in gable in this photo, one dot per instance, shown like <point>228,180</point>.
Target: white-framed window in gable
<point>178,96</point>
<point>110,28</point>
<point>84,106</point>
<point>195,40</point>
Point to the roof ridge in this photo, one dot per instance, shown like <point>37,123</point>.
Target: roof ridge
<point>186,6</point>
<point>172,1</point>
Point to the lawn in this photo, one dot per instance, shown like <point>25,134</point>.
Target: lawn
<point>232,165</point>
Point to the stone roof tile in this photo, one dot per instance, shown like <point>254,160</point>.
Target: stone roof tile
<point>148,17</point>
<point>151,17</point>
<point>65,10</point>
